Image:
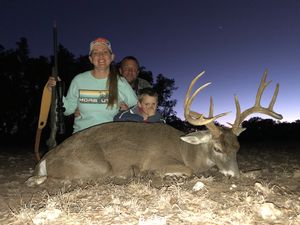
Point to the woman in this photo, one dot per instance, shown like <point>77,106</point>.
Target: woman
<point>97,94</point>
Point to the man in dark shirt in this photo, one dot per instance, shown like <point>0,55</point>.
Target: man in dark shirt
<point>129,69</point>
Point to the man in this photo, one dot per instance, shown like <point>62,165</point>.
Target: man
<point>129,68</point>
<point>144,111</point>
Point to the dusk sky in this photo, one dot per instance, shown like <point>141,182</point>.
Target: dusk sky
<point>233,41</point>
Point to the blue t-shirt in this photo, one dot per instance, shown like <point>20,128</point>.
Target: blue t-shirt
<point>90,95</point>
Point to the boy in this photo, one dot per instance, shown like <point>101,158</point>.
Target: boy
<point>144,111</point>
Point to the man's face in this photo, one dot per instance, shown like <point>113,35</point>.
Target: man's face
<point>148,105</point>
<point>129,69</point>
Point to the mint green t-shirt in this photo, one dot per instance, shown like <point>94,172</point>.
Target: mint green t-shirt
<point>90,95</point>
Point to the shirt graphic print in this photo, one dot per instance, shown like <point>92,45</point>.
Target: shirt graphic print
<point>93,96</point>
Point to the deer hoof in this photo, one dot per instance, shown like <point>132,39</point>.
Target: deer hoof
<point>35,181</point>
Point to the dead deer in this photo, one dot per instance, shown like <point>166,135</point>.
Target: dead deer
<point>126,149</point>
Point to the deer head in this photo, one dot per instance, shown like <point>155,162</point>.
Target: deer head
<point>223,141</point>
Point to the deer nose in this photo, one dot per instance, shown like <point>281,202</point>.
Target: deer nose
<point>231,173</point>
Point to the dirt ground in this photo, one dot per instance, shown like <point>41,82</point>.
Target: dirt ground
<point>268,192</point>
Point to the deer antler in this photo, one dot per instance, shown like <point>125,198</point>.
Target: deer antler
<point>257,108</point>
<point>198,119</point>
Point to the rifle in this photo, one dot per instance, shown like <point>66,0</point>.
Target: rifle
<point>49,100</point>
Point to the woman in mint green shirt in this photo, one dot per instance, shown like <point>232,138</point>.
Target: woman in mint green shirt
<point>97,95</point>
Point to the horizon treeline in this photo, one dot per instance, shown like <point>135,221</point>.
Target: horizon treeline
<point>23,79</point>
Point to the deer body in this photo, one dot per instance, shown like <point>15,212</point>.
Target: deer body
<point>120,149</point>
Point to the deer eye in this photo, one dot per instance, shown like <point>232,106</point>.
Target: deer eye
<point>218,150</point>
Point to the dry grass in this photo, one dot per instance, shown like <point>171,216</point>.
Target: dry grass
<point>138,203</point>
<point>267,193</point>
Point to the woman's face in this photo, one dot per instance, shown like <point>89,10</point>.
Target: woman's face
<point>101,57</point>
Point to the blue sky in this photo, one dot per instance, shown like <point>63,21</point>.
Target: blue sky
<point>233,41</point>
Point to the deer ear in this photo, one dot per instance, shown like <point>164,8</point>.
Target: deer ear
<point>191,140</point>
<point>239,131</point>
<point>197,137</point>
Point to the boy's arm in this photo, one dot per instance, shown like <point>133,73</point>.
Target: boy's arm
<point>157,118</point>
<point>127,115</point>
<point>121,116</point>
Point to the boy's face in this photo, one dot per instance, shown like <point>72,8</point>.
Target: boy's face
<point>148,105</point>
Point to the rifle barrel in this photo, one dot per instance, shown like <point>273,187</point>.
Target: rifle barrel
<point>55,70</point>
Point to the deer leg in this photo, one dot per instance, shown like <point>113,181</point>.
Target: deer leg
<point>169,174</point>
<point>175,170</point>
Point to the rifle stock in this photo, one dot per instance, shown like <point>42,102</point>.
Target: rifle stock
<point>44,111</point>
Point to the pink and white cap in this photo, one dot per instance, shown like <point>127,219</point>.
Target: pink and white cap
<point>100,41</point>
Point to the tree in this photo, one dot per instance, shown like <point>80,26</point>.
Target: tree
<point>146,75</point>
<point>22,50</point>
<point>17,88</point>
<point>165,88</point>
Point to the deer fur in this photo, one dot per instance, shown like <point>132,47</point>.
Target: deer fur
<point>120,149</point>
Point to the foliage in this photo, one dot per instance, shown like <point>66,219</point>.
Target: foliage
<point>165,87</point>
<point>146,75</point>
<point>23,79</point>
<point>259,129</point>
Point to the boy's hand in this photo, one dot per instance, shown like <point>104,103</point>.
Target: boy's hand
<point>151,111</point>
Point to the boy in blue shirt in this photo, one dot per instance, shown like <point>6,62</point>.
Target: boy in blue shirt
<point>144,111</point>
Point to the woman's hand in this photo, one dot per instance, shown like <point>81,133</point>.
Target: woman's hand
<point>123,106</point>
<point>77,112</point>
<point>51,83</point>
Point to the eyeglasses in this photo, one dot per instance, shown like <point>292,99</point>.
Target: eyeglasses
<point>98,54</point>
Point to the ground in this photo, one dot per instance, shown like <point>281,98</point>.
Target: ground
<point>268,192</point>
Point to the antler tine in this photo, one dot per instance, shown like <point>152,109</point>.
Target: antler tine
<point>262,87</point>
<point>192,117</point>
<point>211,126</point>
<point>271,105</point>
<point>188,93</point>
<point>257,108</point>
<point>238,113</point>
<point>211,107</point>
<point>211,110</point>
<point>188,101</point>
